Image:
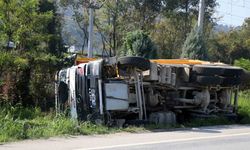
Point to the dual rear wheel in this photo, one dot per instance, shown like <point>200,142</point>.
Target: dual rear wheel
<point>216,75</point>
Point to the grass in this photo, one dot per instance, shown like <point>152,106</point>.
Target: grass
<point>244,107</point>
<point>18,123</point>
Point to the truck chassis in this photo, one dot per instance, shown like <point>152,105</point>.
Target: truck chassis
<point>129,89</point>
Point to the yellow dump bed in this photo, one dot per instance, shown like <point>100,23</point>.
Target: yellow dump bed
<point>80,60</point>
<point>83,60</point>
<point>179,61</point>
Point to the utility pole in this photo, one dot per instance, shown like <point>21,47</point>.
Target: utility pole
<point>91,30</point>
<point>92,6</point>
<point>201,15</point>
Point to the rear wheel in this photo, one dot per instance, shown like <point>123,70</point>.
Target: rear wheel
<point>209,80</point>
<point>207,70</point>
<point>137,62</point>
<point>229,81</point>
<point>232,72</point>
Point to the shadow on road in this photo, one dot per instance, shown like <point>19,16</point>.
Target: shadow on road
<point>204,129</point>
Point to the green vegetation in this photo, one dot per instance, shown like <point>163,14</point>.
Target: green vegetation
<point>18,123</point>
<point>194,46</point>
<point>244,63</point>
<point>150,28</point>
<point>31,50</point>
<point>138,43</point>
<point>230,46</point>
<point>167,22</point>
<point>244,107</point>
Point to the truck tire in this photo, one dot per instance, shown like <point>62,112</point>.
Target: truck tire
<point>138,62</point>
<point>229,81</point>
<point>209,80</point>
<point>206,70</point>
<point>245,78</point>
<point>232,72</point>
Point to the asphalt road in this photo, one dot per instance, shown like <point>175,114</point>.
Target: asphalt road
<point>236,137</point>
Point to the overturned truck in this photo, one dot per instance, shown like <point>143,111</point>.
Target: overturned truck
<point>134,89</point>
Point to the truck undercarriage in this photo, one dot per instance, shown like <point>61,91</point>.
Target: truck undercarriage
<point>131,89</point>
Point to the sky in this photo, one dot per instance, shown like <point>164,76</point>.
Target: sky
<point>232,12</point>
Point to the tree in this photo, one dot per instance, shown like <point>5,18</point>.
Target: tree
<point>117,17</point>
<point>23,24</point>
<point>32,25</point>
<point>217,48</point>
<point>54,27</point>
<point>194,46</point>
<point>138,43</point>
<point>79,16</point>
<point>107,24</point>
<point>230,46</point>
<point>169,37</point>
<point>174,23</point>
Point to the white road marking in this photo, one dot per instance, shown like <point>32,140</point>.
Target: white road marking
<point>164,141</point>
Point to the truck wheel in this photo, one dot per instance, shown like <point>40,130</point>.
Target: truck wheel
<point>138,62</point>
<point>227,81</point>
<point>245,78</point>
<point>206,70</point>
<point>232,72</point>
<point>209,80</point>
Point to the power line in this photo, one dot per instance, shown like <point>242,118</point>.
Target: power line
<point>230,14</point>
<point>235,17</point>
<point>248,1</point>
<point>230,9</point>
<point>234,5</point>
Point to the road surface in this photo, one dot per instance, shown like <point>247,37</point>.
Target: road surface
<point>231,137</point>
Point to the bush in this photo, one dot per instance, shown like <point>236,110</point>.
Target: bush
<point>28,78</point>
<point>244,63</point>
<point>244,107</point>
<point>138,43</point>
<point>195,46</point>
